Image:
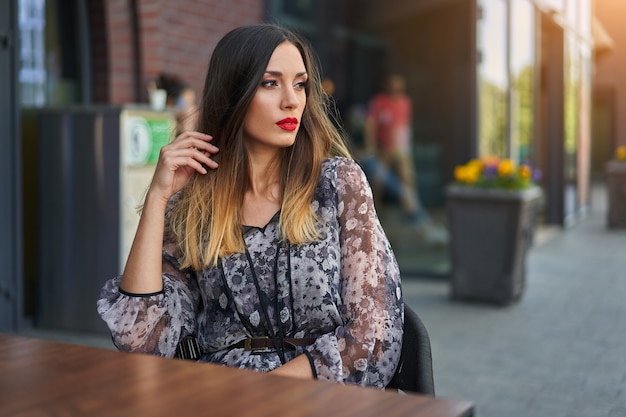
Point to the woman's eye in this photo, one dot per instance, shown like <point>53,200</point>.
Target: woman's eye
<point>269,83</point>
<point>302,84</point>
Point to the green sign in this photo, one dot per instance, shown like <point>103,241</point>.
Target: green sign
<point>144,136</point>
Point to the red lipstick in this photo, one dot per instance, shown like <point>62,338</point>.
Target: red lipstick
<point>288,123</point>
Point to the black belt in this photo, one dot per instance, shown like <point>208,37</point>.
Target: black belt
<point>259,343</point>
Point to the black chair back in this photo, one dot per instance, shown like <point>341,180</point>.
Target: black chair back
<point>415,369</point>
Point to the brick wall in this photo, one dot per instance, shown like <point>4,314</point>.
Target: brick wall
<point>192,30</point>
<point>120,50</point>
<point>147,37</point>
<point>152,36</point>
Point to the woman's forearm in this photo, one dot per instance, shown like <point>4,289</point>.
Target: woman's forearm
<point>189,153</point>
<point>299,367</point>
<point>143,271</point>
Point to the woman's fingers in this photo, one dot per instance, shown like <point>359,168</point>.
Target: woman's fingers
<point>174,159</point>
<point>202,153</point>
<point>189,152</point>
<point>195,145</point>
<point>198,138</point>
<point>192,157</point>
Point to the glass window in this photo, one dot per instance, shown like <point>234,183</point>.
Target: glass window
<point>584,18</point>
<point>554,4</point>
<point>300,8</point>
<point>492,78</point>
<point>305,10</point>
<point>571,11</point>
<point>32,73</point>
<point>572,105</point>
<point>50,65</point>
<point>571,127</point>
<point>522,78</point>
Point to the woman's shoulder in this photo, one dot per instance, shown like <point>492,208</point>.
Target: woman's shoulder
<point>342,167</point>
<point>339,163</point>
<point>340,177</point>
<point>342,172</point>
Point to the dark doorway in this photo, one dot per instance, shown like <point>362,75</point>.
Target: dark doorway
<point>602,130</point>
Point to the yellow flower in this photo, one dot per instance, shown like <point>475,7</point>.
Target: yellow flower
<point>621,153</point>
<point>506,168</point>
<point>475,164</point>
<point>495,173</point>
<point>473,173</point>
<point>459,173</point>
<point>467,173</point>
<point>525,172</point>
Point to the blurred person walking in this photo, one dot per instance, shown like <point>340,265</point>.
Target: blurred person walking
<point>389,160</point>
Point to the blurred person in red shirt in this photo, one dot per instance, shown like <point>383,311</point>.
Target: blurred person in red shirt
<point>388,135</point>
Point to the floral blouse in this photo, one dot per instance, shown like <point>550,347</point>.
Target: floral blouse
<point>342,290</point>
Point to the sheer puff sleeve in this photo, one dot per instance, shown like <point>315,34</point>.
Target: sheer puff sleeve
<point>366,349</point>
<point>152,323</point>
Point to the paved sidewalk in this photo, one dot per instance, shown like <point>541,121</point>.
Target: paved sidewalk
<point>559,351</point>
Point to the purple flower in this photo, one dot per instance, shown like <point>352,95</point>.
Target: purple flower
<point>491,171</point>
<point>536,174</point>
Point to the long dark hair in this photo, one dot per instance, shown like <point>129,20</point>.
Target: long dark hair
<point>207,218</point>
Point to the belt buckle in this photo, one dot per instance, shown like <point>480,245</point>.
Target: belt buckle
<point>247,344</point>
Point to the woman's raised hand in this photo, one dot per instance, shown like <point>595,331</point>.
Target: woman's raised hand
<point>190,152</point>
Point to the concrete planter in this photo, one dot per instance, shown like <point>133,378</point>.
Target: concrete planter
<point>616,193</point>
<point>490,233</point>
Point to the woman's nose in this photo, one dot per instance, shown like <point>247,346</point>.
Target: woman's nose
<point>289,99</point>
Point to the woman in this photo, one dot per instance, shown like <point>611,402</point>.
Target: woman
<point>262,239</point>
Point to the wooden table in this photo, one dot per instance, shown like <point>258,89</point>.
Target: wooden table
<point>44,378</point>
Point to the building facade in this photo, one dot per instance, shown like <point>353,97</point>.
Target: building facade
<point>510,78</point>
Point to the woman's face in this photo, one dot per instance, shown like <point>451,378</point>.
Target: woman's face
<point>274,116</point>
